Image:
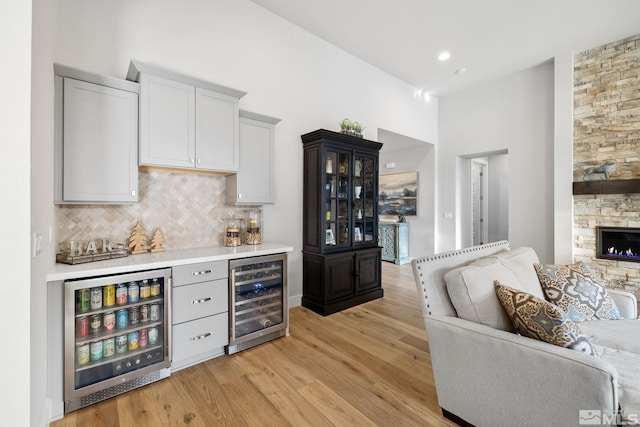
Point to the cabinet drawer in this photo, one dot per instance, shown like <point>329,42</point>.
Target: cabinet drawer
<point>200,336</point>
<point>195,273</point>
<point>199,300</point>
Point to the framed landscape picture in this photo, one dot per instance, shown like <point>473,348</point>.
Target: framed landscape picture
<point>398,194</point>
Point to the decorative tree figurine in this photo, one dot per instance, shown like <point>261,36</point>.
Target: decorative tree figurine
<point>138,241</point>
<point>157,241</point>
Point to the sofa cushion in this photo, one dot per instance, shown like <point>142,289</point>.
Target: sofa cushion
<point>539,319</point>
<point>628,380</point>
<point>471,287</point>
<point>619,334</point>
<point>575,289</point>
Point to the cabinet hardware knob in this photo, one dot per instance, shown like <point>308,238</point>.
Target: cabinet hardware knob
<point>133,193</point>
<point>201,300</point>
<point>199,337</point>
<point>192,160</point>
<point>198,160</point>
<point>198,273</point>
<point>239,195</point>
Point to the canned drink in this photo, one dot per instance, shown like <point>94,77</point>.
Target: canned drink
<point>108,347</point>
<point>152,335</point>
<point>134,292</point>
<point>121,294</point>
<point>154,312</point>
<point>109,321</point>
<point>144,313</point>
<point>83,299</point>
<point>82,354</point>
<point>122,319</point>
<point>132,341</point>
<point>121,344</point>
<point>96,350</point>
<point>143,338</point>
<point>134,315</point>
<point>109,295</point>
<point>145,290</point>
<point>96,298</point>
<point>96,323</point>
<point>155,288</point>
<point>82,326</point>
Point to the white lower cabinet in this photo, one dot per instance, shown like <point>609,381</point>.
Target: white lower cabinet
<point>199,312</point>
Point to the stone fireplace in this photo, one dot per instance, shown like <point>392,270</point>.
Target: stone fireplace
<point>607,128</point>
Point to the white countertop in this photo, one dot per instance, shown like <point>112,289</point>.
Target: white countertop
<point>165,259</point>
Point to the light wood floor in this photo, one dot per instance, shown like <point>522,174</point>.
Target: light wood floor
<point>365,366</point>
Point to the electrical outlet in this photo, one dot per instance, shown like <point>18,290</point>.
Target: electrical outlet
<point>37,243</point>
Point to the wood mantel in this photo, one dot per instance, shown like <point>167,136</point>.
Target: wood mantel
<point>616,186</point>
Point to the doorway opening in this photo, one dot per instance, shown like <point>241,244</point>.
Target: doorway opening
<point>483,202</point>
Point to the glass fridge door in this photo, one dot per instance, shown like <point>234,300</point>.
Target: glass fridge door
<point>259,296</point>
<point>114,326</point>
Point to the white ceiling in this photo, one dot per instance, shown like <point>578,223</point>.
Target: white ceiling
<point>490,38</point>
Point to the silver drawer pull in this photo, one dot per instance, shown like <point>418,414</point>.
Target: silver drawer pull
<point>198,273</point>
<point>199,337</point>
<point>201,300</point>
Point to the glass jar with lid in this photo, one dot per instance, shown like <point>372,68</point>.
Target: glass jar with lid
<point>253,235</point>
<point>232,232</point>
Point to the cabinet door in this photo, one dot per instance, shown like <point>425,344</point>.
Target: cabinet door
<point>337,199</point>
<point>368,270</point>
<point>339,277</point>
<point>167,122</point>
<point>217,139</point>
<point>253,184</point>
<point>100,138</point>
<point>364,185</point>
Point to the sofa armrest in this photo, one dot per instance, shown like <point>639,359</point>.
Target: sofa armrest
<point>490,377</point>
<point>626,302</point>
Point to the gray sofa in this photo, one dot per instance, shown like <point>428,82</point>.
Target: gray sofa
<point>487,375</point>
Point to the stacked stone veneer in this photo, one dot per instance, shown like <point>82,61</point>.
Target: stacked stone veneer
<point>607,127</point>
<point>188,208</point>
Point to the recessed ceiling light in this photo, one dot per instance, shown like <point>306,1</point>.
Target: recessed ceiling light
<point>444,56</point>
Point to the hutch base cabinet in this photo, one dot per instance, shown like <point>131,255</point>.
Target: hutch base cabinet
<point>333,283</point>
<point>341,257</point>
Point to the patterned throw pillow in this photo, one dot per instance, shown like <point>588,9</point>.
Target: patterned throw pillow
<point>541,320</point>
<point>575,289</point>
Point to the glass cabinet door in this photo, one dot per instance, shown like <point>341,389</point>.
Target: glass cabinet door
<point>364,209</point>
<point>350,211</point>
<point>337,199</point>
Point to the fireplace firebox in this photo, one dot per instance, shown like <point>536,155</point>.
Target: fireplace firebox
<point>618,243</point>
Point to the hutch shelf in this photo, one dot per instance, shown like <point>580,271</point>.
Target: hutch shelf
<point>341,257</point>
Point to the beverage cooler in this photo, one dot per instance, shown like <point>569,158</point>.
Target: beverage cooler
<point>115,335</point>
<point>257,301</point>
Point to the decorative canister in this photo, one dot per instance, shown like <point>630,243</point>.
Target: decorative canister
<point>254,224</point>
<point>232,232</point>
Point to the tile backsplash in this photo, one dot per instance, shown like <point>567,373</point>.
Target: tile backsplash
<point>188,208</point>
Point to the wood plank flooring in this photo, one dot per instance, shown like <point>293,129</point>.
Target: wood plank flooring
<point>365,366</point>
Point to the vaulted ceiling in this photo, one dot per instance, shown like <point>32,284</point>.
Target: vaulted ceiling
<point>487,38</point>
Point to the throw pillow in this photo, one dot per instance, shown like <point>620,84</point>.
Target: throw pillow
<point>539,319</point>
<point>575,289</point>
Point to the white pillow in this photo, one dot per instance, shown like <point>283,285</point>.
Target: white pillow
<point>472,291</point>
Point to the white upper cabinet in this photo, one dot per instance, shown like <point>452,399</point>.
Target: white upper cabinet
<point>253,184</point>
<point>96,138</point>
<point>186,122</point>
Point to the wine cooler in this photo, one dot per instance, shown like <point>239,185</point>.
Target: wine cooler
<point>115,335</point>
<point>257,301</point>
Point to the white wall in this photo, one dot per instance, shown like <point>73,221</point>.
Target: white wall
<point>514,113</point>
<point>498,198</point>
<point>15,103</point>
<point>287,73</point>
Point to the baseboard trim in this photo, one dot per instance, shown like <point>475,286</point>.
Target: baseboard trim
<point>456,419</point>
